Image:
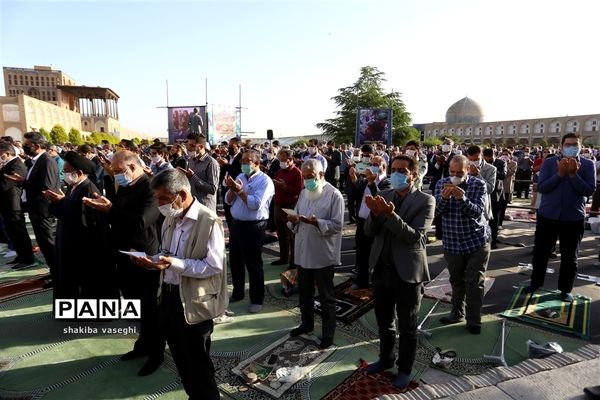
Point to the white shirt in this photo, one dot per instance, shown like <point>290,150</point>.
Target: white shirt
<point>318,247</point>
<point>364,211</point>
<point>209,266</point>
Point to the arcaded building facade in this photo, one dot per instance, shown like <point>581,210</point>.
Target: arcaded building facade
<point>465,120</point>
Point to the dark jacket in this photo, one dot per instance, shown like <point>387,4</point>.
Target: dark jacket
<point>10,192</point>
<point>43,176</point>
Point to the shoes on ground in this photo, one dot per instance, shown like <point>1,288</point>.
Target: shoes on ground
<point>531,289</point>
<point>151,366</point>
<point>234,299</point>
<point>566,297</point>
<point>132,355</point>
<point>379,366</point>
<point>451,319</point>
<point>10,254</point>
<point>325,343</point>
<point>474,329</point>
<point>299,331</point>
<point>402,381</point>
<point>254,308</point>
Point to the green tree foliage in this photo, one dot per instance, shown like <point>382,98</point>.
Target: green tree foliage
<point>75,137</point>
<point>366,92</point>
<point>432,141</point>
<point>45,133</point>
<point>137,141</point>
<point>98,137</point>
<point>406,134</point>
<point>299,142</point>
<point>58,135</point>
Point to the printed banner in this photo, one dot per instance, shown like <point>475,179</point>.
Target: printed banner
<point>183,120</point>
<point>223,123</point>
<point>374,125</point>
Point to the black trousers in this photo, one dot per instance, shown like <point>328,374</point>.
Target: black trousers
<point>14,223</point>
<point>502,209</point>
<point>323,278</point>
<point>44,235</point>
<point>394,296</point>
<point>363,249</point>
<point>494,221</point>
<point>245,253</point>
<point>190,347</point>
<point>139,283</point>
<point>547,231</point>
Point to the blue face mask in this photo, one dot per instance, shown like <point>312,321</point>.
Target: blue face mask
<point>246,169</point>
<point>374,169</point>
<point>399,181</point>
<point>572,151</point>
<point>122,180</point>
<point>311,184</point>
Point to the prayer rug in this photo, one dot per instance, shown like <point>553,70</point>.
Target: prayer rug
<point>349,304</point>
<point>363,386</point>
<point>521,215</point>
<point>545,308</point>
<point>279,366</point>
<point>440,288</point>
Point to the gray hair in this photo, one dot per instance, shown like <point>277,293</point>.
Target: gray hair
<point>460,159</point>
<point>173,180</point>
<point>253,155</point>
<point>313,164</point>
<point>126,157</point>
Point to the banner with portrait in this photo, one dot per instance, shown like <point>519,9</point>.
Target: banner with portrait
<point>374,125</point>
<point>183,120</point>
<point>223,123</point>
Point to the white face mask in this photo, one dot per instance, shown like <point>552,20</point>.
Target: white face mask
<point>168,211</point>
<point>312,150</point>
<point>191,154</point>
<point>71,178</point>
<point>457,180</point>
<point>446,148</point>
<point>156,159</point>
<point>283,164</point>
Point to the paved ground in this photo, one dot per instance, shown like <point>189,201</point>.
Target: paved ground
<point>559,384</point>
<point>503,261</point>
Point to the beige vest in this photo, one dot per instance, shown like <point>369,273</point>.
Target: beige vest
<point>202,298</point>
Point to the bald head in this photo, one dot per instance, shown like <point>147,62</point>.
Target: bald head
<point>127,161</point>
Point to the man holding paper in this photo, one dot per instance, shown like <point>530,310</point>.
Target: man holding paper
<point>318,228</point>
<point>194,280</point>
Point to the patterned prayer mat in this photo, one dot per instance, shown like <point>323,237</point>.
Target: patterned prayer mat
<point>440,288</point>
<point>279,366</point>
<point>349,304</point>
<point>545,308</point>
<point>363,386</point>
<point>522,215</point>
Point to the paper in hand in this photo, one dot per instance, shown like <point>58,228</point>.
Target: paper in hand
<point>289,211</point>
<point>134,253</point>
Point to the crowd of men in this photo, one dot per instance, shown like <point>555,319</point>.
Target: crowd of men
<point>162,200</point>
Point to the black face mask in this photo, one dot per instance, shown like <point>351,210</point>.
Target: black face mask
<point>28,150</point>
<point>231,150</point>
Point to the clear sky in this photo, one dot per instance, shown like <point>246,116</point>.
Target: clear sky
<point>517,58</point>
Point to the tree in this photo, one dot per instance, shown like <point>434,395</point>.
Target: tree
<point>299,142</point>
<point>45,133</point>
<point>432,141</point>
<point>408,133</point>
<point>366,92</point>
<point>75,137</point>
<point>58,135</point>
